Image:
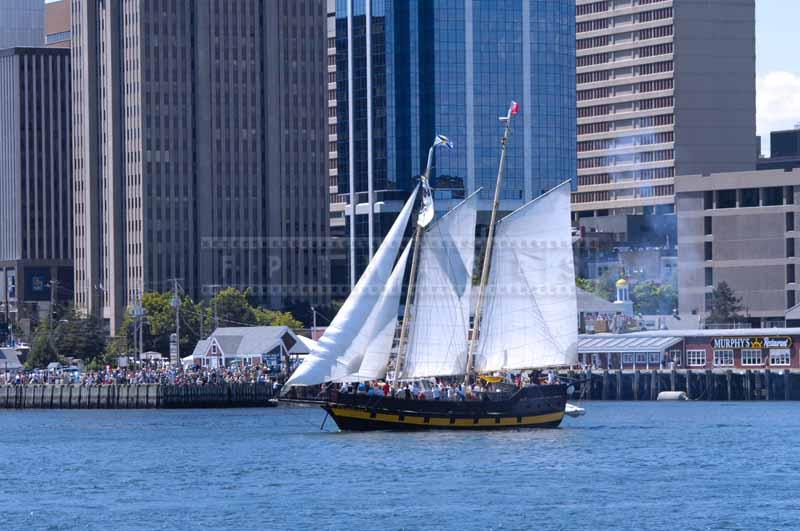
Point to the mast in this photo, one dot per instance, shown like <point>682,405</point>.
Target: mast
<point>512,111</point>
<point>423,219</point>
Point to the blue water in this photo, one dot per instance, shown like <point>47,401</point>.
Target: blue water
<point>623,466</point>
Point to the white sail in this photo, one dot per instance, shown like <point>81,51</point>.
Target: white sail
<point>438,335</point>
<point>529,317</point>
<point>340,350</point>
<point>382,323</point>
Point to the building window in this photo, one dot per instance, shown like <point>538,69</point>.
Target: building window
<point>655,357</point>
<point>780,356</point>
<point>726,199</point>
<point>749,197</point>
<point>789,247</point>
<point>708,200</point>
<point>641,357</point>
<point>707,225</point>
<point>789,195</point>
<point>709,253</point>
<point>790,274</point>
<point>752,357</point>
<point>695,358</point>
<point>627,358</point>
<point>723,358</point>
<point>675,356</point>
<point>709,276</point>
<point>772,196</point>
<point>791,300</point>
<point>789,221</point>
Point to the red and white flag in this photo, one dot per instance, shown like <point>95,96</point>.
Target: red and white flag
<point>514,109</point>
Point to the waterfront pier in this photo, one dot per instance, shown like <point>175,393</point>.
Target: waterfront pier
<point>703,384</point>
<point>135,396</point>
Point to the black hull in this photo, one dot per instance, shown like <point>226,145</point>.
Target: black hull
<point>539,406</point>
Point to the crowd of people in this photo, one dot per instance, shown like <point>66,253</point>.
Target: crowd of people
<point>142,375</point>
<point>441,389</point>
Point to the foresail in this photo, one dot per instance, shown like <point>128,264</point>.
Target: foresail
<point>382,324</point>
<point>530,313</point>
<point>336,354</point>
<point>437,343</point>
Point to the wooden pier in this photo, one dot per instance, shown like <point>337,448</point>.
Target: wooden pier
<point>135,396</point>
<point>704,384</point>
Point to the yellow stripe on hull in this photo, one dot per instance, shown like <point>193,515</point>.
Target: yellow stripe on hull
<point>418,420</point>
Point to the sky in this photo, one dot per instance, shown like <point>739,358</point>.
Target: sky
<point>777,66</point>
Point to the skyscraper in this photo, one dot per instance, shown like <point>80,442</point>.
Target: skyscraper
<point>35,182</point>
<point>408,70</point>
<point>665,88</point>
<point>200,150</point>
<point>21,23</point>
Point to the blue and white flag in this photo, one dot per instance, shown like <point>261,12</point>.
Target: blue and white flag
<point>442,140</point>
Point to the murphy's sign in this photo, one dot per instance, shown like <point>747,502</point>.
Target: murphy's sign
<point>752,342</point>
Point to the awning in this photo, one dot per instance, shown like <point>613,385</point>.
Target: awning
<point>598,344</point>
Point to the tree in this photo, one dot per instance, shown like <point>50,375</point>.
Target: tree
<point>652,298</point>
<point>232,308</point>
<point>159,325</point>
<point>81,337</point>
<point>725,305</point>
<point>603,286</point>
<point>275,318</point>
<point>42,351</point>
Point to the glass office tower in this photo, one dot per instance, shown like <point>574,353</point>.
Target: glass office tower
<point>451,67</point>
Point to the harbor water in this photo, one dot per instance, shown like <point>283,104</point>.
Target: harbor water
<point>625,465</point>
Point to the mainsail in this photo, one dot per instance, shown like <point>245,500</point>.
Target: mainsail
<point>341,348</point>
<point>438,338</point>
<point>530,314</point>
<point>382,325</point>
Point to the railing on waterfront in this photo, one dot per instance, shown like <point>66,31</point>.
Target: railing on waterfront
<point>135,396</point>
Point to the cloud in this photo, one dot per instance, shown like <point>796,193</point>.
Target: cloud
<point>777,104</point>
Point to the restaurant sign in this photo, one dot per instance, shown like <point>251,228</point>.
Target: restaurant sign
<point>752,342</point>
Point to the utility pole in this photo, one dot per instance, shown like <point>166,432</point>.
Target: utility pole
<point>137,312</point>
<point>176,303</point>
<point>53,287</point>
<point>52,323</point>
<point>314,321</point>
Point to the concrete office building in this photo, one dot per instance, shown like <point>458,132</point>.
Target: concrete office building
<point>740,228</point>
<point>21,23</point>
<point>410,69</point>
<point>664,88</point>
<point>57,24</point>
<point>36,241</point>
<point>200,150</point>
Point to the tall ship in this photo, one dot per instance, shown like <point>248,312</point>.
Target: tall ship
<point>525,318</point>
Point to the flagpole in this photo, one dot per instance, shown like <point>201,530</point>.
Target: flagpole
<point>487,256</point>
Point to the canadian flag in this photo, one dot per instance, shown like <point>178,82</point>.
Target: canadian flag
<point>514,109</point>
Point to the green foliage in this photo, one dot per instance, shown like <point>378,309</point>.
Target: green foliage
<point>81,337</point>
<point>725,305</point>
<point>652,298</point>
<point>42,351</point>
<point>603,287</point>
<point>229,307</point>
<point>74,335</point>
<point>275,318</point>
